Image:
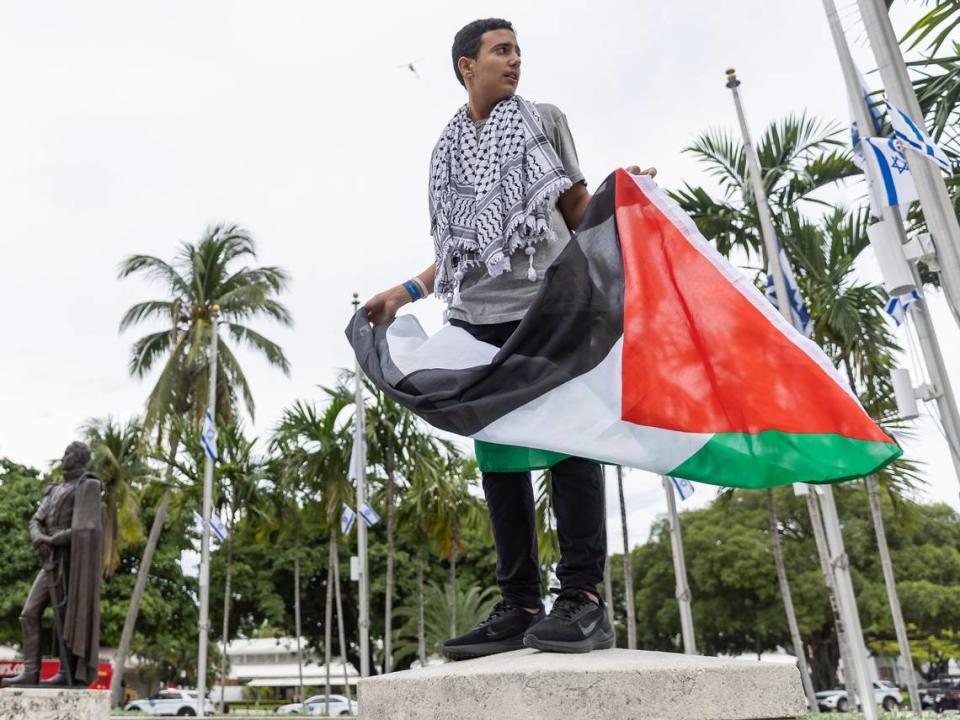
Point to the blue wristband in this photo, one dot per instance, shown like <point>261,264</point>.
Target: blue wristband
<point>411,287</point>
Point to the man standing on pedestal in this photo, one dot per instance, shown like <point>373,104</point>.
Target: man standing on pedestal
<point>66,533</point>
<point>506,192</point>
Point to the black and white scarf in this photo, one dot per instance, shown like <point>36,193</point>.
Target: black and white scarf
<point>491,194</point>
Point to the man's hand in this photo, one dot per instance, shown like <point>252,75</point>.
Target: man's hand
<point>383,306</point>
<point>635,170</point>
<point>42,541</point>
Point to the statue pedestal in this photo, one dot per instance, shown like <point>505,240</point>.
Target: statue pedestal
<point>605,684</point>
<point>49,704</point>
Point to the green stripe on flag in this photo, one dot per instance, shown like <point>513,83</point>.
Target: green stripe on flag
<point>773,458</point>
<point>492,457</point>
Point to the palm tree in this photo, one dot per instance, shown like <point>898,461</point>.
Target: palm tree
<point>212,272</point>
<point>313,452</point>
<point>121,464</point>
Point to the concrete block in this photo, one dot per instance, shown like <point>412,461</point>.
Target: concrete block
<point>50,704</point>
<point>602,685</point>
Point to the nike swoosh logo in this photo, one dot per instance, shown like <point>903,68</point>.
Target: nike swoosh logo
<point>589,628</point>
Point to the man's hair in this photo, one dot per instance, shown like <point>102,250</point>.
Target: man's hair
<point>466,43</point>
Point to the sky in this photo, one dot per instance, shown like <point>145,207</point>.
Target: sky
<point>130,128</point>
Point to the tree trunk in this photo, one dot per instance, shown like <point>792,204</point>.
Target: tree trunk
<point>388,599</point>
<point>454,541</point>
<point>798,646</point>
<point>126,636</point>
<point>343,635</point>
<point>891,583</point>
<point>328,612</point>
<point>421,629</point>
<point>627,569</point>
<point>608,588</point>
<point>296,610</point>
<point>226,610</point>
<point>109,535</point>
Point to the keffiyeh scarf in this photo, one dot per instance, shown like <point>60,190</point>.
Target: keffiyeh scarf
<point>491,194</point>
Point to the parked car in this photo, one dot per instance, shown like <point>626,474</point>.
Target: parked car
<point>171,702</point>
<point>316,705</point>
<point>941,694</point>
<point>886,695</point>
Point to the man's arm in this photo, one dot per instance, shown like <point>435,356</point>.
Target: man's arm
<point>573,203</point>
<point>383,306</point>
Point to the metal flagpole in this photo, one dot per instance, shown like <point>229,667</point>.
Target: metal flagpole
<point>841,575</point>
<point>361,471</point>
<point>931,189</point>
<point>929,345</point>
<point>680,571</point>
<point>928,341</point>
<point>205,530</point>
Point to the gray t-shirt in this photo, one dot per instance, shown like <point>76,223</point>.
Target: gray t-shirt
<point>487,300</point>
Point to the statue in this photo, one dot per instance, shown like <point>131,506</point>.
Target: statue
<point>66,533</point>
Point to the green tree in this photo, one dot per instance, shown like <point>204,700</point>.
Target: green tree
<point>211,273</point>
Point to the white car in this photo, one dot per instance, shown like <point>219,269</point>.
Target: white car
<point>171,702</point>
<point>885,694</point>
<point>316,705</point>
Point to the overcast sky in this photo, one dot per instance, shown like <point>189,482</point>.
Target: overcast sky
<point>130,127</point>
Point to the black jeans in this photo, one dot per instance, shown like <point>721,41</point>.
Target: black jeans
<point>578,504</point>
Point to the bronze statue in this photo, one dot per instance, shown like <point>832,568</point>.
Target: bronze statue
<point>66,533</point>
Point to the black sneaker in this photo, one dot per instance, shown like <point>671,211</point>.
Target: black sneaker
<point>502,631</point>
<point>576,624</point>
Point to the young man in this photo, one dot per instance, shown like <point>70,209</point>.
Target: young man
<point>506,192</point>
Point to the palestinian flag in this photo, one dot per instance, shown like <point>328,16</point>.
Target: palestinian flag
<point>644,348</point>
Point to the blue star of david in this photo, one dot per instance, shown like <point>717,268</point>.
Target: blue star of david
<point>899,165</point>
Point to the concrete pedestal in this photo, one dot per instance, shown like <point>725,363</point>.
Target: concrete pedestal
<point>602,685</point>
<point>48,704</point>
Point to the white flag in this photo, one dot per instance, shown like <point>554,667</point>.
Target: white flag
<point>208,436</point>
<point>893,184</point>
<point>217,526</point>
<point>915,137</point>
<point>899,304</point>
<point>347,517</point>
<point>369,515</point>
<point>684,487</point>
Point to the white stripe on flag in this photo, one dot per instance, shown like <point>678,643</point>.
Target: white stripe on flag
<point>915,137</point>
<point>684,487</point>
<point>798,308</point>
<point>369,515</point>
<point>208,436</point>
<point>898,305</point>
<point>894,184</point>
<point>347,517</point>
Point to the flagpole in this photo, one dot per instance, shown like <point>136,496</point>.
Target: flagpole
<point>680,571</point>
<point>931,189</point>
<point>838,560</point>
<point>361,471</point>
<point>205,525</point>
<point>926,333</point>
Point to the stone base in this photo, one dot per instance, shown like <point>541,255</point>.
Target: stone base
<point>602,685</point>
<point>49,704</point>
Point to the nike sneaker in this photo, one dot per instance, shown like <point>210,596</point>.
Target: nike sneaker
<point>575,624</point>
<point>501,631</point>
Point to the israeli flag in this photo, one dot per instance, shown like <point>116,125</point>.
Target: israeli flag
<point>217,526</point>
<point>798,308</point>
<point>208,436</point>
<point>899,304</point>
<point>894,184</point>
<point>369,515</point>
<point>684,487</point>
<point>347,518</point>
<point>358,451</point>
<point>916,138</point>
